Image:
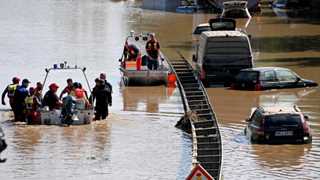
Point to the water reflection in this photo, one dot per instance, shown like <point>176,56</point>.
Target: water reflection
<point>234,106</point>
<point>145,99</point>
<point>286,155</point>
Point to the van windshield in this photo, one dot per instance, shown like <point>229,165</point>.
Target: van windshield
<point>282,120</point>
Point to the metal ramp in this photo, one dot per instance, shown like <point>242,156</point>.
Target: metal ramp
<point>207,145</point>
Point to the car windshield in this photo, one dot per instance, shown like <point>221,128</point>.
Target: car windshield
<point>282,120</point>
<point>247,76</point>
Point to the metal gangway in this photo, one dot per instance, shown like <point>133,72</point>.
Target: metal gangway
<point>204,128</point>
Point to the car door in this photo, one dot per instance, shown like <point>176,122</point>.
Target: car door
<point>286,78</point>
<point>269,80</point>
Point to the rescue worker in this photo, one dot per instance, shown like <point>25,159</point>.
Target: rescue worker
<point>101,94</point>
<point>51,99</point>
<point>153,49</point>
<point>133,52</point>
<point>38,92</point>
<point>68,88</point>
<point>9,91</point>
<point>84,91</point>
<point>19,101</point>
<point>103,77</point>
<point>133,59</point>
<point>32,107</point>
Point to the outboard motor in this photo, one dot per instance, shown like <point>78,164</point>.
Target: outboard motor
<point>3,144</point>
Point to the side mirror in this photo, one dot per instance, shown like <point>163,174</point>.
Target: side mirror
<point>306,117</point>
<point>194,58</point>
<point>120,60</point>
<point>248,120</point>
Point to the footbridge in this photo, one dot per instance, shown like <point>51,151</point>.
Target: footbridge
<point>199,120</point>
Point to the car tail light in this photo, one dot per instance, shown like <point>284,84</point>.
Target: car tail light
<point>260,131</point>
<point>306,127</point>
<point>257,86</point>
<point>233,86</point>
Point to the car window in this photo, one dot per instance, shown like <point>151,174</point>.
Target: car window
<point>268,76</point>
<point>283,120</point>
<point>247,76</point>
<point>285,75</point>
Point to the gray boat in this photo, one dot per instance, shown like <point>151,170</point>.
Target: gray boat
<point>132,75</point>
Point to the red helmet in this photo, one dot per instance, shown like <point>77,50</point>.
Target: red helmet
<point>15,80</point>
<point>53,86</point>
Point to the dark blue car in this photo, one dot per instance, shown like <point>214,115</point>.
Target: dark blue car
<point>263,78</point>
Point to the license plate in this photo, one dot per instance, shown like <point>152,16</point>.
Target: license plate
<point>283,133</point>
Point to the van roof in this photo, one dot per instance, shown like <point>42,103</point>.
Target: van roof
<point>209,34</point>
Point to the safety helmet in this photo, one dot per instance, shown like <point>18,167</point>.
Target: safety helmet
<point>53,86</point>
<point>15,80</point>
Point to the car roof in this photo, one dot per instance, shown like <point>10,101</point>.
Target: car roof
<point>263,69</point>
<point>271,110</point>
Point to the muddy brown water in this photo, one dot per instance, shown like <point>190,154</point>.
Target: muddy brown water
<point>139,141</point>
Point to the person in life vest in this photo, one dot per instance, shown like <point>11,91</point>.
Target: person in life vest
<point>51,99</point>
<point>9,91</point>
<point>19,101</point>
<point>81,100</point>
<point>101,94</point>
<point>133,60</point>
<point>68,88</point>
<point>32,107</point>
<point>38,92</point>
<point>153,49</point>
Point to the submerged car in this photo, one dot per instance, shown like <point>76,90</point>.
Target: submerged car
<point>3,144</point>
<point>263,78</point>
<point>278,124</point>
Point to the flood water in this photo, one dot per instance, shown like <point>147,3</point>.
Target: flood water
<point>139,140</point>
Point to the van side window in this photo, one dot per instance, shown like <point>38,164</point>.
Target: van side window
<point>285,75</point>
<point>268,76</point>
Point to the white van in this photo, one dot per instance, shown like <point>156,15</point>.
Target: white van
<point>221,55</point>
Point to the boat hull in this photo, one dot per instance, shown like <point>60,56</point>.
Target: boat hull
<point>144,77</point>
<point>81,117</point>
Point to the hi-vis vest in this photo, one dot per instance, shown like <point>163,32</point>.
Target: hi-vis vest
<point>29,102</point>
<point>11,89</point>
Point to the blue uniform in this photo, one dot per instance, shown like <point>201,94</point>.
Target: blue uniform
<point>19,102</point>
